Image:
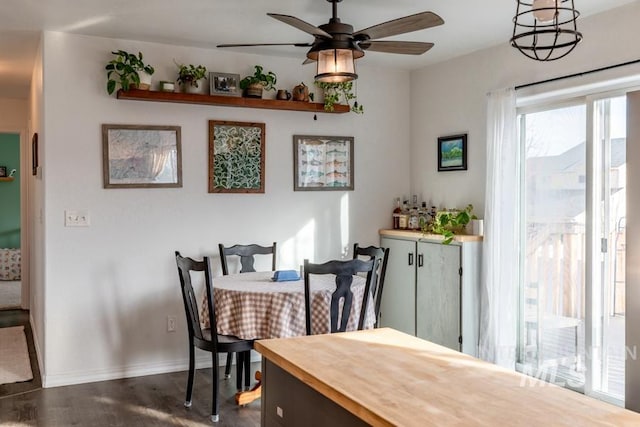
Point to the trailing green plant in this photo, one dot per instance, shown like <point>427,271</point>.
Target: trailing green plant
<point>447,224</point>
<point>267,79</point>
<point>190,74</point>
<point>334,91</point>
<point>124,69</point>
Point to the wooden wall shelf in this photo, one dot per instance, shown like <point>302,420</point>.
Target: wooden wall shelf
<point>227,101</point>
<point>7,179</point>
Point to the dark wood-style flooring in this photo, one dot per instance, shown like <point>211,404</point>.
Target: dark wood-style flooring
<point>155,400</point>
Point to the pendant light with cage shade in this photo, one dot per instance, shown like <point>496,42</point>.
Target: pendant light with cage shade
<point>545,30</point>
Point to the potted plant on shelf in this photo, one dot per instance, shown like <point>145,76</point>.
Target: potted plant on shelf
<point>333,92</point>
<point>448,224</point>
<point>253,86</point>
<point>128,70</point>
<point>189,75</point>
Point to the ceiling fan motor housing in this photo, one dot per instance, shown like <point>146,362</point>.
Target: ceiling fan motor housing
<point>342,39</point>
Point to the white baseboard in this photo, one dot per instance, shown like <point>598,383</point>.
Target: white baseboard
<point>131,371</point>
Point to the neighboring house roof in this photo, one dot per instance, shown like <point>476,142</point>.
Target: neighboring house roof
<point>557,184</point>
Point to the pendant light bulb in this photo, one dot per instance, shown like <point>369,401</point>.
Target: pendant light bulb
<point>545,10</point>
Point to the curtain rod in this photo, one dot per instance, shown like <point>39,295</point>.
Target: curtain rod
<point>568,76</point>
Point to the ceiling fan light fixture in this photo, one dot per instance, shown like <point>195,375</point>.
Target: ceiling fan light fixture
<point>336,66</point>
<point>545,30</point>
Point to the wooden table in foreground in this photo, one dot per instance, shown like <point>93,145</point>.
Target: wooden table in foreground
<point>383,377</point>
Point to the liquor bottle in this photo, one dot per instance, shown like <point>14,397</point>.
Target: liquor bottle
<point>404,216</point>
<point>413,214</point>
<point>423,216</point>
<point>396,215</point>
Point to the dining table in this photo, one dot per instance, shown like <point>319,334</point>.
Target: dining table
<point>254,306</point>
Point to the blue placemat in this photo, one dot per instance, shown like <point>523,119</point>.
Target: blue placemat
<point>285,276</point>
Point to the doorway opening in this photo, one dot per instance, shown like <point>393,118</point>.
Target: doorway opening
<point>10,222</point>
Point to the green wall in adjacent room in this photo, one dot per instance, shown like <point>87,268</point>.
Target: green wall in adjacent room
<point>10,191</point>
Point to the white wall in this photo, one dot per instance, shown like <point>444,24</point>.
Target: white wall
<point>109,287</point>
<point>632,309</point>
<point>450,98</point>
<point>13,114</point>
<point>35,199</point>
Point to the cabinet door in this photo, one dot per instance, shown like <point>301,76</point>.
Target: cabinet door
<point>398,305</point>
<point>438,294</point>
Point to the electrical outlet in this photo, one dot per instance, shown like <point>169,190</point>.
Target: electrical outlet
<point>171,323</point>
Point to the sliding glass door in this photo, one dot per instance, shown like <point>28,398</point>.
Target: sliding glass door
<point>607,267</point>
<point>571,323</point>
<point>553,287</point>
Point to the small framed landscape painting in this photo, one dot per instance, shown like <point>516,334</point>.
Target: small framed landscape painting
<point>452,153</point>
<point>322,163</point>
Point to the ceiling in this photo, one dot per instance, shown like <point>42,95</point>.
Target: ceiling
<point>469,26</point>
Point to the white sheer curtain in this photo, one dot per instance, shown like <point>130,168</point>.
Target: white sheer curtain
<point>500,257</point>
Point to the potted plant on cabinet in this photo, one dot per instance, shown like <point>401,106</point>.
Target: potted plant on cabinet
<point>448,224</point>
<point>189,75</point>
<point>253,86</point>
<point>333,92</point>
<point>128,70</point>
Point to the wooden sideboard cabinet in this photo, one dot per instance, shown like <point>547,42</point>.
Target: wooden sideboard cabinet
<point>432,290</point>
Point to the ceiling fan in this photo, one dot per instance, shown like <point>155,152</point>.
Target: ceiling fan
<point>336,45</point>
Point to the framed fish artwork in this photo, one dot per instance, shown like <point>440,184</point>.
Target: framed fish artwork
<point>322,163</point>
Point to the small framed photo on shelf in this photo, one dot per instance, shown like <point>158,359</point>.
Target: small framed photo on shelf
<point>452,153</point>
<point>141,156</point>
<point>322,163</point>
<point>224,84</point>
<point>3,171</point>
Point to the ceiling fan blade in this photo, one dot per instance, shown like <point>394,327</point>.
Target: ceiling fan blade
<point>265,44</point>
<point>301,25</point>
<point>410,23</point>
<point>406,48</point>
<point>308,61</point>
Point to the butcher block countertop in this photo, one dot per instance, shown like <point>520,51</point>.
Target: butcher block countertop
<point>388,378</point>
<point>410,234</point>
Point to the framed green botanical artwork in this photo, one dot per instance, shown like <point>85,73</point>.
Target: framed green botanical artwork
<point>236,157</point>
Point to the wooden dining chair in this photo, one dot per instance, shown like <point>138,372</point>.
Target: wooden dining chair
<point>247,256</point>
<point>382,256</point>
<point>247,260</point>
<point>205,339</point>
<point>344,272</point>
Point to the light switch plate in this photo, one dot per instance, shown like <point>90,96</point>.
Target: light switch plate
<point>76,218</point>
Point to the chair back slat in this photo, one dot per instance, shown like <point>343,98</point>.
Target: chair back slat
<point>382,256</point>
<point>343,291</point>
<point>344,272</point>
<point>185,267</point>
<point>246,254</point>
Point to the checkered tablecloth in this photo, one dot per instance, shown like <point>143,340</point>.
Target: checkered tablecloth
<point>252,306</point>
